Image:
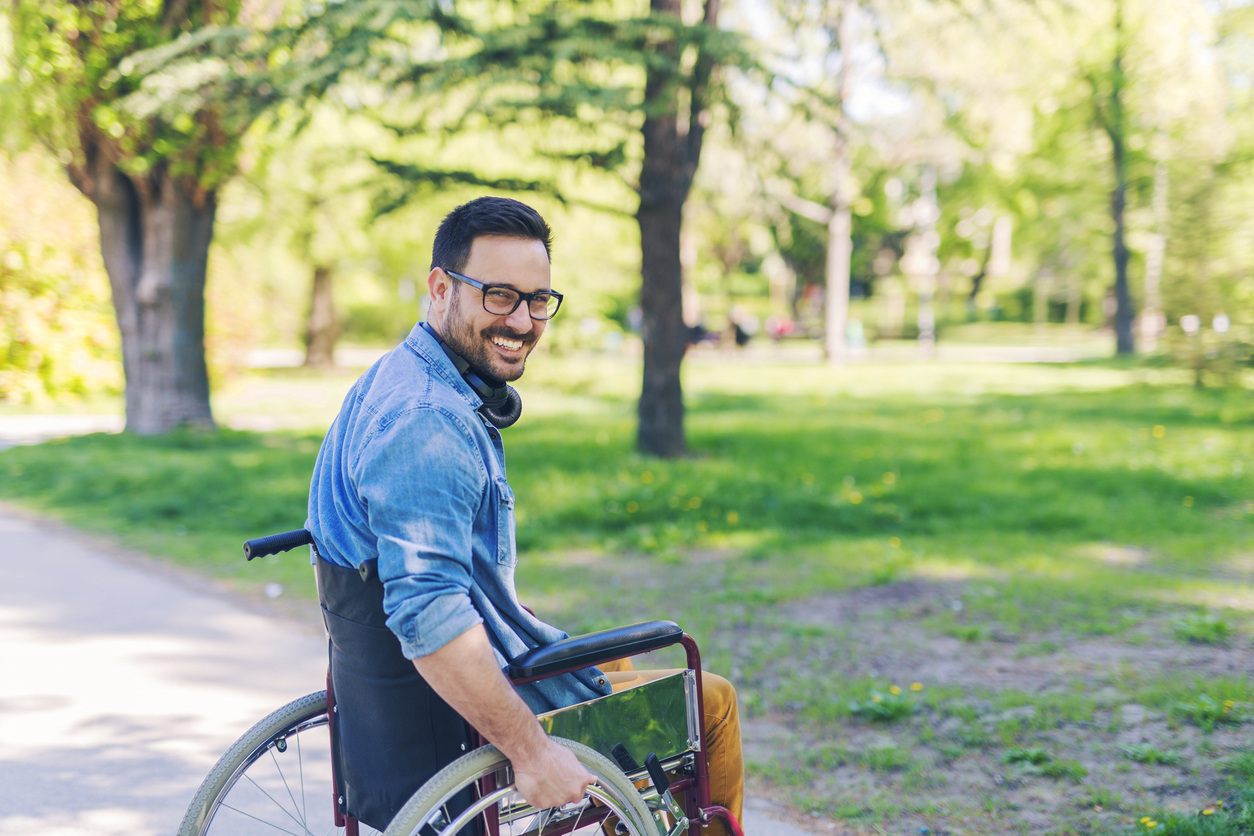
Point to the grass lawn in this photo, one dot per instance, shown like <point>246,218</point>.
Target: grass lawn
<point>974,598</point>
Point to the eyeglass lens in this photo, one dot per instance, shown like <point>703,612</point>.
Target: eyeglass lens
<point>503,301</point>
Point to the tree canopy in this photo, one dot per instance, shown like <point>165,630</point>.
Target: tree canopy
<point>979,150</point>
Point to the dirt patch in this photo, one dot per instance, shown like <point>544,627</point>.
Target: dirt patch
<point>1030,734</point>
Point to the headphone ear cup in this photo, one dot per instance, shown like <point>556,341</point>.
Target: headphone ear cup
<point>509,412</point>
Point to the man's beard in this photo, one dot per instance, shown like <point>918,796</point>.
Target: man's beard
<point>476,347</point>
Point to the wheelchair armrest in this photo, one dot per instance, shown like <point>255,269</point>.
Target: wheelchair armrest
<point>594,648</point>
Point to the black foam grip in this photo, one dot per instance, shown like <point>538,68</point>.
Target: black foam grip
<point>275,543</point>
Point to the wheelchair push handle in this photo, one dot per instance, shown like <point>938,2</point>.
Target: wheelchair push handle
<point>275,543</point>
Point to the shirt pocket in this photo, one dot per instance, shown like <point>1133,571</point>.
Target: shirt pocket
<point>506,551</point>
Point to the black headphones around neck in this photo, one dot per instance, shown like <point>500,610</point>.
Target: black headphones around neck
<point>502,405</point>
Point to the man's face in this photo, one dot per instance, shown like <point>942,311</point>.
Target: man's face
<point>495,346</point>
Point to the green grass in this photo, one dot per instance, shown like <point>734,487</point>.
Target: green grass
<point>1036,760</point>
<point>1208,712</point>
<point>1146,753</point>
<point>886,706</point>
<point>1043,507</point>
<point>1232,814</point>
<point>1203,628</point>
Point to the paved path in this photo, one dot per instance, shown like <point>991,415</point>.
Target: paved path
<point>32,429</point>
<point>123,682</point>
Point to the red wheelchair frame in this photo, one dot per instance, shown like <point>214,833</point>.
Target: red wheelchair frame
<point>574,653</point>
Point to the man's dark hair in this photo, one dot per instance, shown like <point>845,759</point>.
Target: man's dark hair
<point>485,216</point>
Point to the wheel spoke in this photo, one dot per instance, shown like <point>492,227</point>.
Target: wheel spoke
<point>278,805</point>
<point>300,766</point>
<point>256,788</point>
<point>268,824</point>
<point>579,817</point>
<point>611,799</point>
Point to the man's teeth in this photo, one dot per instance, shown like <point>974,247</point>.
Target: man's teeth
<point>512,345</point>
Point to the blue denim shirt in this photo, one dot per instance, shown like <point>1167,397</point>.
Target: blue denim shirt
<point>411,475</point>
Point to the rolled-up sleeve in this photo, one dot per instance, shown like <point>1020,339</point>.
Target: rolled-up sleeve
<point>423,485</point>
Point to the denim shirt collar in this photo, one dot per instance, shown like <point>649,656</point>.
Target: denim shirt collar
<point>426,347</point>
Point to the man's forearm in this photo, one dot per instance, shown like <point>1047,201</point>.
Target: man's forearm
<point>464,672</point>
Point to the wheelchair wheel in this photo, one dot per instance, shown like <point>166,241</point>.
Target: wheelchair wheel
<point>611,805</point>
<point>274,779</point>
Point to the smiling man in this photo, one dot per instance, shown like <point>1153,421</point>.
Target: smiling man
<point>413,525</point>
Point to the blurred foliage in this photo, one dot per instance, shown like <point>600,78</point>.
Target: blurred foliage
<point>996,98</point>
<point>57,333</point>
<point>70,70</point>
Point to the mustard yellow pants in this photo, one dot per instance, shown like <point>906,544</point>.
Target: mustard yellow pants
<point>722,734</point>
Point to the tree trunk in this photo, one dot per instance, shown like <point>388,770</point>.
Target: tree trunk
<point>840,227</point>
<point>1124,311</point>
<point>671,151</point>
<point>154,236</point>
<point>661,409</point>
<point>1152,318</point>
<point>322,330</point>
<point>839,258</point>
<point>927,213</point>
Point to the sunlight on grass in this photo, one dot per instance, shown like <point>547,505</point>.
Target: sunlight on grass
<point>1226,594</point>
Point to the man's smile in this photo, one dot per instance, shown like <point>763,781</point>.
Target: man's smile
<point>506,343</point>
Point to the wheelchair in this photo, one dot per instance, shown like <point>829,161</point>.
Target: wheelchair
<point>643,745</point>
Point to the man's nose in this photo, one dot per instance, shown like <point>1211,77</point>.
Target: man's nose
<point>520,319</point>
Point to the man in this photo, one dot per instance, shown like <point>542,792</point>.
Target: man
<point>409,493</point>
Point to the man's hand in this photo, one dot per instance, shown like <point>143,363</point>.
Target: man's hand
<point>551,779</point>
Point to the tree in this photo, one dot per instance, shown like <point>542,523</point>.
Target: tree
<point>597,76</point>
<point>1159,97</point>
<point>306,193</point>
<point>1109,94</point>
<point>673,129</point>
<point>91,78</point>
<point>832,21</point>
<point>154,185</point>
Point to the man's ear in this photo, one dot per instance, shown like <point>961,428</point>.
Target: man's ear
<point>440,286</point>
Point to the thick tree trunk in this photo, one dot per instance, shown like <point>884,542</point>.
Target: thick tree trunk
<point>322,330</point>
<point>661,408</point>
<point>671,151</point>
<point>154,235</point>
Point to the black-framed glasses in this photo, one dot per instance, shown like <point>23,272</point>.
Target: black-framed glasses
<point>503,300</point>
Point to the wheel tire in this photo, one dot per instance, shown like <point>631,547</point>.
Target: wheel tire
<point>612,791</point>
<point>274,779</point>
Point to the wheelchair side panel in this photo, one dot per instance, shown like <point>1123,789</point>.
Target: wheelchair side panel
<point>658,717</point>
